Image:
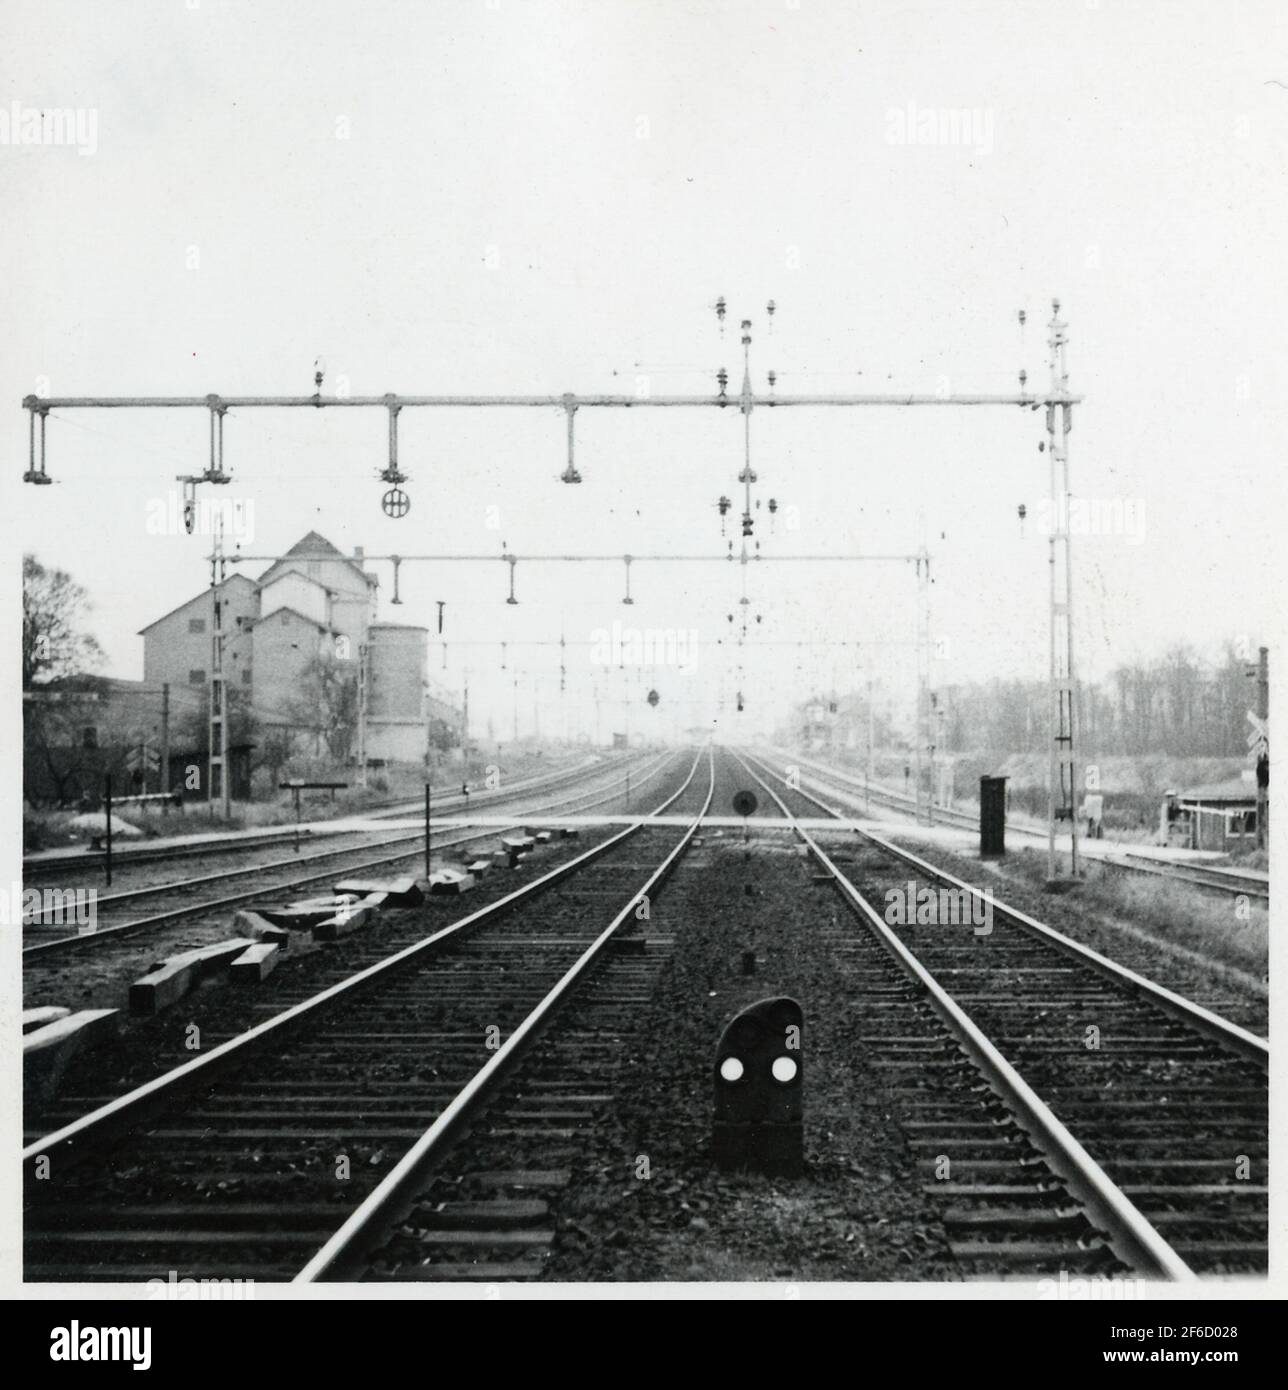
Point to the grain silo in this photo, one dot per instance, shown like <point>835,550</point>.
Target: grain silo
<point>397,662</point>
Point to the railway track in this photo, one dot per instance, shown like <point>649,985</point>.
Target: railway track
<point>82,869</point>
<point>84,863</point>
<point>419,1119</point>
<point>252,1158</point>
<point>483,1208</point>
<point>1213,878</point>
<point>884,797</point>
<point>1168,1102</point>
<point>148,1046</point>
<point>1227,882</point>
<point>115,921</point>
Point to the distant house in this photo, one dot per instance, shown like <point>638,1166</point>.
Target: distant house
<point>1221,816</point>
<point>314,603</point>
<point>77,729</point>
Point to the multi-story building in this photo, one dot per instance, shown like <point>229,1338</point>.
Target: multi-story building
<point>177,647</point>
<point>313,606</point>
<point>349,607</point>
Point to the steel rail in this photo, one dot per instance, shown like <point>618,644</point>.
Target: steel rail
<point>878,791</point>
<point>76,1140</point>
<point>417,838</point>
<point>1203,1020</point>
<point>145,854</point>
<point>1135,1239</point>
<point>444,808</point>
<point>1195,1015</point>
<point>1231,881</point>
<point>389,1202</point>
<point>1219,882</point>
<point>384,810</point>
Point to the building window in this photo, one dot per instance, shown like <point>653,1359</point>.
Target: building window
<point>245,675</point>
<point>196,678</point>
<point>196,624</point>
<point>89,737</point>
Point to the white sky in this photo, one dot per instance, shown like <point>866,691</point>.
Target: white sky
<point>539,197</point>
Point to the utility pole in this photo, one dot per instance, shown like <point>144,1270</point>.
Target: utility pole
<point>867,786</point>
<point>922,722</point>
<point>165,742</point>
<point>1263,754</point>
<point>362,714</point>
<point>1062,771</point>
<point>220,784</point>
<point>465,728</point>
<point>428,872</point>
<point>107,827</point>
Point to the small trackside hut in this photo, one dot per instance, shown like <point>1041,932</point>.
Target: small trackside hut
<point>1220,817</point>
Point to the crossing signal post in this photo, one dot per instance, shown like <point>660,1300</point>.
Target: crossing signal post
<point>141,761</point>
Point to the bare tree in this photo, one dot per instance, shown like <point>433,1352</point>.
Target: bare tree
<point>53,611</point>
<point>328,704</point>
<point>55,647</point>
<point>275,751</point>
<point>191,730</point>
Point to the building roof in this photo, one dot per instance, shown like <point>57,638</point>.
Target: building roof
<point>205,593</point>
<point>1233,790</point>
<point>294,613</point>
<point>316,547</point>
<point>303,578</point>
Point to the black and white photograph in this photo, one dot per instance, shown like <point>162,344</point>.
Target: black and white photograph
<point>647,632</point>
